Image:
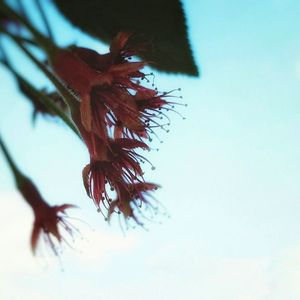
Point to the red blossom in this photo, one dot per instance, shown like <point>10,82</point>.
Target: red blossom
<point>152,107</point>
<point>116,114</point>
<point>116,165</point>
<point>132,200</point>
<point>107,108</point>
<point>104,84</point>
<point>49,220</point>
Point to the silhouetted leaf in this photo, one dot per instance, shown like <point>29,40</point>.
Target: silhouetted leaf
<point>160,23</point>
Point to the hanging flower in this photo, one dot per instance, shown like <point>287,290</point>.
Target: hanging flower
<point>104,84</point>
<point>116,114</point>
<point>111,167</point>
<point>152,107</point>
<point>110,92</point>
<point>50,221</point>
<point>134,201</point>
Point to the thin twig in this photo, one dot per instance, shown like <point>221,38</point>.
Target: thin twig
<point>45,19</point>
<point>17,173</point>
<point>22,9</point>
<point>4,58</point>
<point>42,97</point>
<point>41,39</point>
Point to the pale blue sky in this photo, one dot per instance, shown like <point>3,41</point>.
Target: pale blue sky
<point>230,174</point>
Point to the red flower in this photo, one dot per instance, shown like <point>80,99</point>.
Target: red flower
<point>133,201</point>
<point>116,165</point>
<point>115,106</point>
<point>103,83</point>
<point>49,220</point>
<point>151,106</point>
<point>116,114</point>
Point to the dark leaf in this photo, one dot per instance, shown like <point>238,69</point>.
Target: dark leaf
<point>160,24</point>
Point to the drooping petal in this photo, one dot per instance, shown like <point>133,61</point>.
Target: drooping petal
<point>130,144</point>
<point>85,176</point>
<point>62,208</point>
<point>99,62</point>
<point>86,112</point>
<point>122,70</point>
<point>131,200</point>
<point>74,72</point>
<point>119,42</point>
<point>36,231</point>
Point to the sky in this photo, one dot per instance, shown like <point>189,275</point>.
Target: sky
<point>229,174</point>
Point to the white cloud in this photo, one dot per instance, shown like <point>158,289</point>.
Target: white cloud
<point>97,246</point>
<point>284,274</point>
<point>187,272</point>
<point>174,271</point>
<point>15,227</point>
<point>19,267</point>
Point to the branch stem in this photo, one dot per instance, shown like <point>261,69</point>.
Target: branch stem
<point>17,173</point>
<point>45,19</point>
<point>43,98</point>
<point>43,41</point>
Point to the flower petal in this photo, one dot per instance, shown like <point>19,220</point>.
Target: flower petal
<point>86,112</point>
<point>130,144</point>
<point>126,68</point>
<point>85,176</point>
<point>36,230</point>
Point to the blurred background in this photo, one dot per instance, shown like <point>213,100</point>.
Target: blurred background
<point>229,173</point>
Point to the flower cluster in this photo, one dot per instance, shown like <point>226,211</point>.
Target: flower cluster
<point>117,116</point>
